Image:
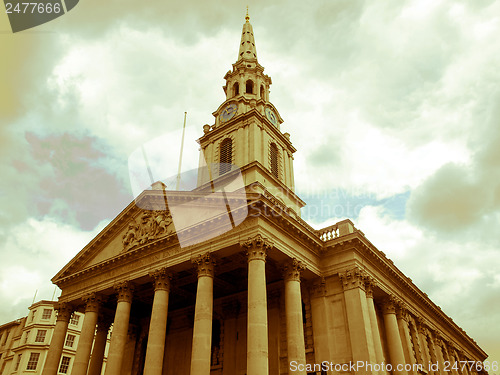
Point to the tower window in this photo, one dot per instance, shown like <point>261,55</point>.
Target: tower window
<point>226,156</point>
<point>236,89</point>
<point>274,160</point>
<point>262,92</point>
<point>249,88</point>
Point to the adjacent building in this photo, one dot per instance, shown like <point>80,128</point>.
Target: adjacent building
<point>228,279</point>
<point>24,343</point>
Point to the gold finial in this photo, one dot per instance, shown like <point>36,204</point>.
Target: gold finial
<point>247,17</point>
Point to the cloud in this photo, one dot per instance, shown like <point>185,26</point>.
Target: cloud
<point>460,198</point>
<point>33,252</point>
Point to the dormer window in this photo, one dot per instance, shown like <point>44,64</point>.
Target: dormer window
<point>249,87</point>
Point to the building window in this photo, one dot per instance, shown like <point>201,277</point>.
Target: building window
<point>273,154</point>
<point>63,369</point>
<point>40,335</point>
<point>47,313</point>
<point>18,362</point>
<point>26,337</point>
<point>249,87</point>
<point>262,92</point>
<point>33,361</point>
<point>33,315</point>
<point>226,156</point>
<point>74,319</point>
<point>70,340</point>
<point>236,89</point>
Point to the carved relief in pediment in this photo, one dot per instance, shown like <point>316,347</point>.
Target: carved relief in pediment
<point>149,226</point>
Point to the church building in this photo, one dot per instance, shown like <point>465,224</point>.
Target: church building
<point>227,279</point>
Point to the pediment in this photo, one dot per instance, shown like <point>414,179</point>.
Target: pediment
<point>132,228</point>
<point>198,216</point>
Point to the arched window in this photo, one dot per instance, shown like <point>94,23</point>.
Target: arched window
<point>225,156</point>
<point>262,92</point>
<point>274,160</point>
<point>236,89</point>
<point>249,88</point>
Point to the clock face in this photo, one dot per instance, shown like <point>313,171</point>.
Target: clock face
<point>272,116</point>
<point>228,112</point>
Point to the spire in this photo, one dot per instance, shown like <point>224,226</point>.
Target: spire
<point>247,45</point>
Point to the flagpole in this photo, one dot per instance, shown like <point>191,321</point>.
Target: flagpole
<point>180,156</point>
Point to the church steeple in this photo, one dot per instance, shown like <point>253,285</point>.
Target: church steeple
<point>247,133</point>
<point>247,45</point>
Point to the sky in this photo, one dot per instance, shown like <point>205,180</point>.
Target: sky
<point>391,105</point>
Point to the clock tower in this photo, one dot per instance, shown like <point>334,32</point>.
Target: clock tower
<point>247,132</point>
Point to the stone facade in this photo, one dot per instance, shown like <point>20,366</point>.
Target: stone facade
<point>266,296</point>
<point>24,343</point>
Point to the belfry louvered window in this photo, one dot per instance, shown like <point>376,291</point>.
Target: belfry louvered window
<point>274,160</point>
<point>226,156</point>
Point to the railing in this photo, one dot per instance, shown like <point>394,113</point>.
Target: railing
<point>328,233</point>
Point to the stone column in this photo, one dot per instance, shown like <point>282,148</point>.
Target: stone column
<point>432,352</point>
<point>320,322</point>
<point>358,318</point>
<point>416,343</point>
<point>158,323</point>
<point>393,337</point>
<point>293,310</point>
<point>82,356</point>
<point>101,337</point>
<point>461,357</point>
<point>404,332</point>
<point>446,348</point>
<point>120,328</point>
<point>64,311</point>
<point>438,347</point>
<point>257,335</point>
<point>202,329</point>
<point>422,337</point>
<point>377,342</point>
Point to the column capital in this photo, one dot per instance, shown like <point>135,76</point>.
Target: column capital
<point>420,324</point>
<point>401,311</point>
<point>256,247</point>
<point>92,302</point>
<point>64,311</point>
<point>353,278</point>
<point>318,288</point>
<point>204,264</point>
<point>161,279</point>
<point>389,305</point>
<point>125,291</point>
<point>292,270</point>
<point>370,283</point>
